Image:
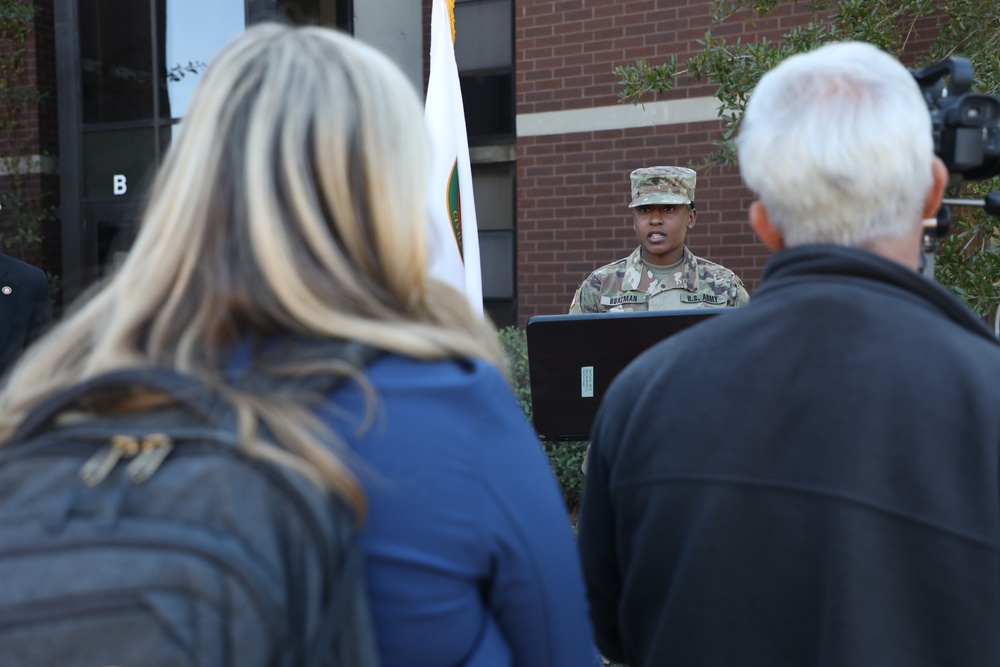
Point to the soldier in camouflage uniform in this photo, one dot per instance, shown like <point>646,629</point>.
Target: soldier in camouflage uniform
<point>662,274</point>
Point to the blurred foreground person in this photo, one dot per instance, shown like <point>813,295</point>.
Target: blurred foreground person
<point>290,212</point>
<point>820,485</point>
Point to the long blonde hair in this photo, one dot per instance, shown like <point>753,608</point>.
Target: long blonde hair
<point>292,203</point>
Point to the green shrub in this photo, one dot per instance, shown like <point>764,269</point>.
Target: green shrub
<point>565,458</point>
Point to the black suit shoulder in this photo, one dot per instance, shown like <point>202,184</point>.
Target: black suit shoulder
<point>25,307</point>
<point>22,270</point>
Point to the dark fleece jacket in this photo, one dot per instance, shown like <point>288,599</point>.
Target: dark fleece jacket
<point>811,479</point>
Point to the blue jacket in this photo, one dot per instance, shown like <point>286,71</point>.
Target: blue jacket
<point>470,555</point>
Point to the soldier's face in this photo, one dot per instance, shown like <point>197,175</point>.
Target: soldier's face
<point>661,229</point>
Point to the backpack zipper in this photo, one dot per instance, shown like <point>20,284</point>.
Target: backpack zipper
<point>146,455</point>
<point>155,448</point>
<point>99,466</point>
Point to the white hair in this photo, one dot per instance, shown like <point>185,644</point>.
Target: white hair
<point>837,145</point>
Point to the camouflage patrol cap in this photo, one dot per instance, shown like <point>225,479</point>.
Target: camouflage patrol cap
<point>662,185</point>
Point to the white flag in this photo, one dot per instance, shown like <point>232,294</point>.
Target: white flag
<point>453,237</point>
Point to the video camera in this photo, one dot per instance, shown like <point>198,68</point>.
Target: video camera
<point>966,129</point>
<point>966,125</point>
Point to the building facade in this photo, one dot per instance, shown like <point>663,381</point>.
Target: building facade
<point>551,145</point>
<point>576,144</point>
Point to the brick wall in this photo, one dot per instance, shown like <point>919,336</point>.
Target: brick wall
<point>573,216</point>
<point>30,186</point>
<point>573,189</point>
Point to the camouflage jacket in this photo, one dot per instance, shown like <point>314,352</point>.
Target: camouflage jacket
<point>627,285</point>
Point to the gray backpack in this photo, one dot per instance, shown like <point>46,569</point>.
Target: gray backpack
<point>150,539</point>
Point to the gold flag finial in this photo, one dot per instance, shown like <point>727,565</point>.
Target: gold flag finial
<point>451,18</point>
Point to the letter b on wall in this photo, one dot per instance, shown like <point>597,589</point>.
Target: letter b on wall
<point>119,184</point>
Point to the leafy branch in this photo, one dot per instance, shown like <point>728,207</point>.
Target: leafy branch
<point>969,258</point>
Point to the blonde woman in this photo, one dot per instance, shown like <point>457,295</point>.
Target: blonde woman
<point>291,208</point>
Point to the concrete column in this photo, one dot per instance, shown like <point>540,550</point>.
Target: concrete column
<point>395,28</point>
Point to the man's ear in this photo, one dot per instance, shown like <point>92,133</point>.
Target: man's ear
<point>760,221</point>
<point>934,196</point>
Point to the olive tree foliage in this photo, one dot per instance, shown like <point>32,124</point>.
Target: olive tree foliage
<point>968,261</point>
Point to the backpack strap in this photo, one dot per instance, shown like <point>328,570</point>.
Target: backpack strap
<point>190,392</point>
<point>343,604</point>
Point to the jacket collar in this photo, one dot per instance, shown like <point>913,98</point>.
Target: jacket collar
<point>793,264</point>
<point>635,268</point>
